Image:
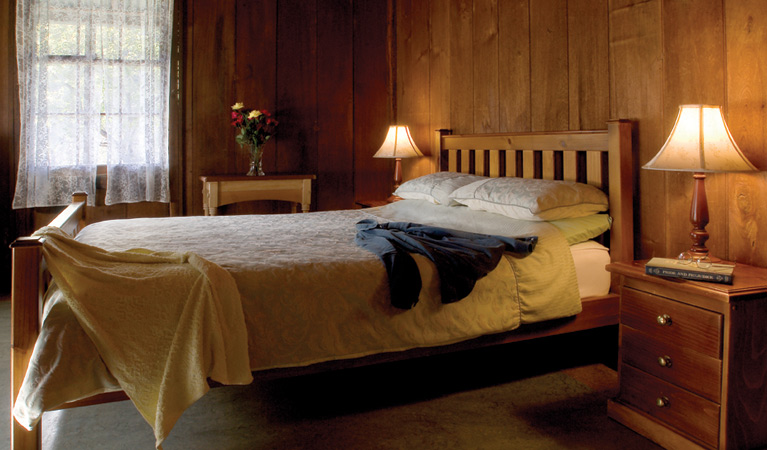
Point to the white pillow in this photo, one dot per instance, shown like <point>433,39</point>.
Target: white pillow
<point>435,187</point>
<point>532,199</point>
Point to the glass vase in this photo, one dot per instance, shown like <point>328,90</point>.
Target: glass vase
<point>256,152</point>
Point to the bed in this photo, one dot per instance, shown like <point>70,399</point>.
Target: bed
<point>597,158</point>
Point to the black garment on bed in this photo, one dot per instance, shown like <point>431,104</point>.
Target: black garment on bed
<point>461,257</point>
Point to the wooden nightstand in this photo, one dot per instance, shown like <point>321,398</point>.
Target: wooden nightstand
<point>693,359</point>
<point>225,189</point>
<point>374,203</point>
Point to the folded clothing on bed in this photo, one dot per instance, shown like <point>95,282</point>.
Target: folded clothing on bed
<point>461,258</point>
<point>162,322</point>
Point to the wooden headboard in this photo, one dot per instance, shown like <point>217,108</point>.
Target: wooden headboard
<point>601,158</point>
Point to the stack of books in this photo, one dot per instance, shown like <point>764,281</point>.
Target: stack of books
<point>667,267</point>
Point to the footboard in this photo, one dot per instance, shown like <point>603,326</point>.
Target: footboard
<point>28,282</point>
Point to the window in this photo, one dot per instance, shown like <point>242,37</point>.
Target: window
<point>93,90</point>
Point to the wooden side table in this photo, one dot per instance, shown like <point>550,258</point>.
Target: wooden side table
<point>692,359</point>
<point>374,203</point>
<point>220,190</point>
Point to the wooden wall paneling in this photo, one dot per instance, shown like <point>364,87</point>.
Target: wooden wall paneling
<point>439,72</point>
<point>335,140</point>
<point>693,54</point>
<point>210,65</point>
<point>297,87</point>
<point>254,83</point>
<point>373,97</point>
<point>461,67</point>
<point>514,65</point>
<point>413,48</point>
<point>548,65</point>
<point>636,69</point>
<point>485,50</point>
<point>255,72</point>
<point>746,32</point>
<point>589,84</point>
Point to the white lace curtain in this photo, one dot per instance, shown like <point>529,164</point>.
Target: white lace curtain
<point>93,90</point>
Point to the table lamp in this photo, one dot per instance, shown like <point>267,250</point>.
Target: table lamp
<point>398,144</point>
<point>700,142</point>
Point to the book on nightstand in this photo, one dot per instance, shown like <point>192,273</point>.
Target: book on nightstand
<point>667,267</point>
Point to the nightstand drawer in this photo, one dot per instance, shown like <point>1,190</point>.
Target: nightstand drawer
<point>680,409</point>
<point>671,321</point>
<point>691,370</point>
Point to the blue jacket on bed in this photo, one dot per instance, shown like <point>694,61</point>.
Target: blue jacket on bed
<point>461,257</point>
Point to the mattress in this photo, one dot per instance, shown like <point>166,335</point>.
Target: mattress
<point>309,294</point>
<point>590,259</point>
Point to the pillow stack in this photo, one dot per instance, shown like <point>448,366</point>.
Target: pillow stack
<point>517,198</point>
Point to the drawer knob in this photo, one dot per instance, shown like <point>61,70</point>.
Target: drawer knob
<point>662,402</point>
<point>664,320</point>
<point>664,361</point>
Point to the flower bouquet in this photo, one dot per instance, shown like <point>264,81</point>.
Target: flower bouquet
<point>256,127</point>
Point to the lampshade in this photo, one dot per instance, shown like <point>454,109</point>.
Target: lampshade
<point>398,144</point>
<point>700,142</point>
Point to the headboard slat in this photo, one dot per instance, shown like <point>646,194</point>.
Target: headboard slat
<point>570,166</point>
<point>547,160</point>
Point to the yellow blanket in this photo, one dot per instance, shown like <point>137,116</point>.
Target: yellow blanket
<point>162,322</point>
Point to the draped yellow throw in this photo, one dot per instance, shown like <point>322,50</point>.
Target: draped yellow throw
<point>162,322</point>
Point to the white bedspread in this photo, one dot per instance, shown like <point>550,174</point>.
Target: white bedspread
<point>310,294</point>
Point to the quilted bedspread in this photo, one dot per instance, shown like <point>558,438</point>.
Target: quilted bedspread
<point>309,294</point>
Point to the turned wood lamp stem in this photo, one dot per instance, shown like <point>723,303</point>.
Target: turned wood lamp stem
<point>397,172</point>
<point>699,216</point>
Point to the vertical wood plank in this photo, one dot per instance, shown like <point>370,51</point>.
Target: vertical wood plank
<point>548,65</point>
<point>297,86</point>
<point>636,66</point>
<point>693,73</point>
<point>373,96</point>
<point>413,80</point>
<point>589,100</point>
<point>255,74</point>
<point>514,65</point>
<point>746,32</point>
<point>210,66</point>
<point>485,67</point>
<point>439,71</point>
<point>335,144</point>
<point>461,64</point>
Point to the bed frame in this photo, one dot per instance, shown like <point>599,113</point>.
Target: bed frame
<point>602,158</point>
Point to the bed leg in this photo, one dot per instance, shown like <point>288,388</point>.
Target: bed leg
<point>26,298</point>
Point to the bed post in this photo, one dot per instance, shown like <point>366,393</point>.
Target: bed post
<point>26,299</point>
<point>442,157</point>
<point>621,190</point>
<point>27,292</point>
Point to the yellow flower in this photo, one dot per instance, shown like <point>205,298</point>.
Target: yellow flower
<point>253,114</point>
<point>237,106</point>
